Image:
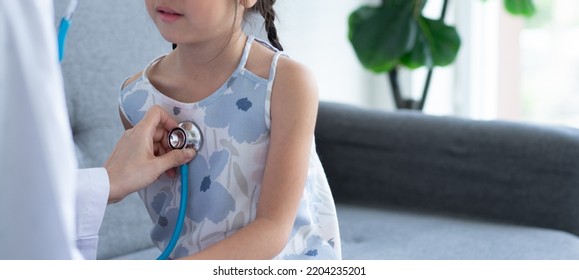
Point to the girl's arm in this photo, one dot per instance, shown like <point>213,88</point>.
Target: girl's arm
<point>294,108</point>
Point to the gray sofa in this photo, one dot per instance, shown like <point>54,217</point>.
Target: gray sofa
<point>407,185</point>
<point>414,186</point>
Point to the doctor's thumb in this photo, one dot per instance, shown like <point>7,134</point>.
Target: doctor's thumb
<point>176,157</point>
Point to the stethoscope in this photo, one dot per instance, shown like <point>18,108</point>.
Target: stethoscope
<point>186,135</point>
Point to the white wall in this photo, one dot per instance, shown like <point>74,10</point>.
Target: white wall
<point>316,34</point>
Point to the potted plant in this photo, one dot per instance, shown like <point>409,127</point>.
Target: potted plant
<point>396,34</point>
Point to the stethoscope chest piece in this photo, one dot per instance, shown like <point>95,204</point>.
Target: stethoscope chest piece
<point>186,135</point>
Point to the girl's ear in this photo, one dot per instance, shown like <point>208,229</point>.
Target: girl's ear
<point>248,3</point>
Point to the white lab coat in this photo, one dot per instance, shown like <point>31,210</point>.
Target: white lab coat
<point>48,208</point>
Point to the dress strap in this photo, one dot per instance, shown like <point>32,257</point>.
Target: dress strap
<point>272,72</point>
<point>273,68</point>
<point>246,51</point>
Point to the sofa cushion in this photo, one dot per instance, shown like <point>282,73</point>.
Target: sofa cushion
<point>391,234</point>
<point>150,253</point>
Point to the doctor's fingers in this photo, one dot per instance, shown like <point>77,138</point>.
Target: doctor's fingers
<point>161,150</point>
<point>157,117</point>
<point>161,137</point>
<point>158,149</point>
<point>173,158</point>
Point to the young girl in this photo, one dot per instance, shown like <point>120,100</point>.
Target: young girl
<point>257,188</point>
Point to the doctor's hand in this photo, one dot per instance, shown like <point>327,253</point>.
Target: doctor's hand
<point>135,162</point>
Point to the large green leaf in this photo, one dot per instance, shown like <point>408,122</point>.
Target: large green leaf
<point>437,44</point>
<point>419,55</point>
<point>380,35</point>
<point>520,7</point>
<point>396,33</point>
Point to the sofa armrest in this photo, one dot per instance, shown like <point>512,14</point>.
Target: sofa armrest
<point>513,172</point>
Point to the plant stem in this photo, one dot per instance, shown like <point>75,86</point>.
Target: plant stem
<point>444,8</point>
<point>425,91</point>
<point>393,77</point>
<point>408,103</point>
<point>429,75</point>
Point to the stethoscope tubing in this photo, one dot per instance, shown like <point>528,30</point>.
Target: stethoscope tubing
<point>64,26</point>
<point>184,169</point>
<point>186,135</point>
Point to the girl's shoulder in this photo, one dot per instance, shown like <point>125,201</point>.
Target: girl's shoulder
<point>131,80</point>
<point>294,86</point>
<point>294,80</point>
<point>141,74</point>
<point>261,61</point>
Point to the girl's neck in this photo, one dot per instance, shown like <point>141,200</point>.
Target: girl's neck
<point>207,59</point>
<point>194,71</point>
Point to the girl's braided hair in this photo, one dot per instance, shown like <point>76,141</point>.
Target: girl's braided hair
<point>265,9</point>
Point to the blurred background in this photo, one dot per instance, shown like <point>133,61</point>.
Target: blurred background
<point>511,68</point>
<point>508,67</point>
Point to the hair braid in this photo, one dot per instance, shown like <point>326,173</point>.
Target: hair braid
<point>265,8</point>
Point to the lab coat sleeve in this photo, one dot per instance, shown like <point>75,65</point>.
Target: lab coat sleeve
<point>92,196</point>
